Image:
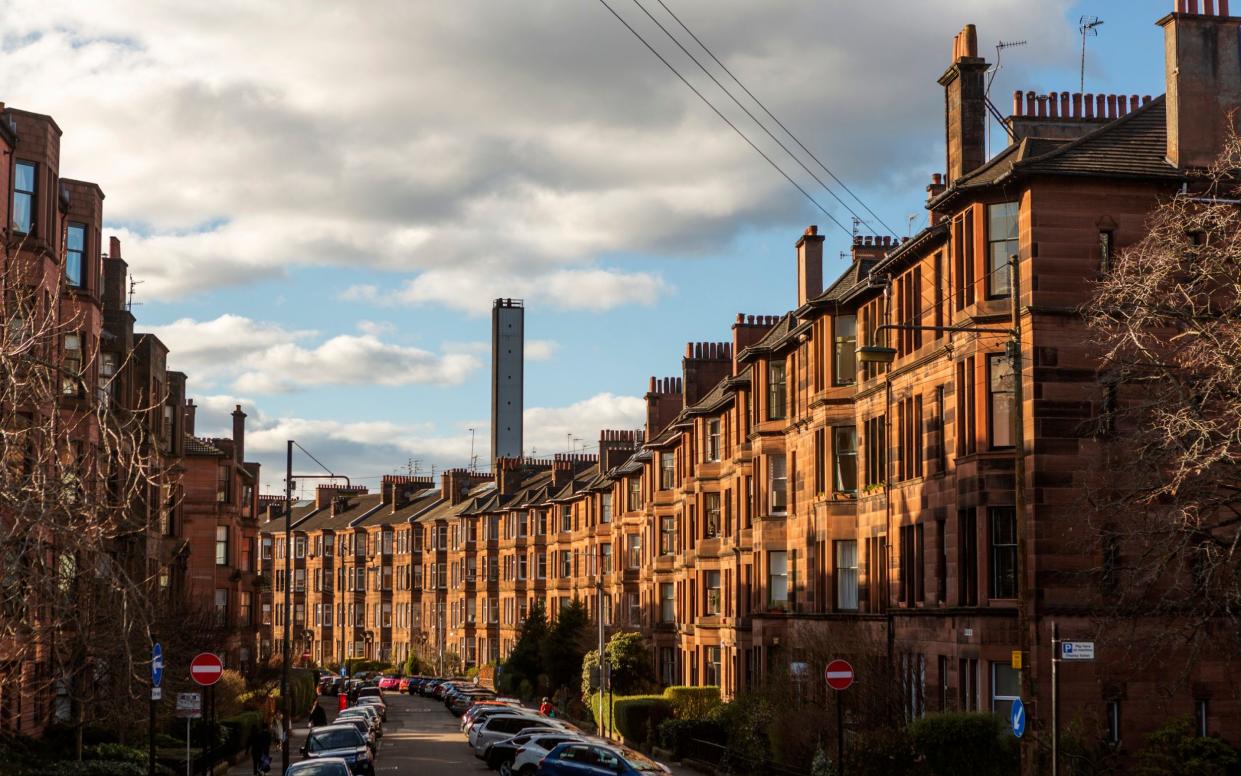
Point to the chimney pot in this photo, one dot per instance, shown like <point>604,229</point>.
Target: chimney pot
<point>689,350</point>
<point>1134,102</point>
<point>1042,105</point>
<point>1146,98</point>
<point>937,178</point>
<point>1052,110</point>
<point>1017,103</point>
<point>1031,104</point>
<point>1064,105</point>
<point>813,229</point>
<point>1077,105</point>
<point>740,318</point>
<point>1111,106</point>
<point>1223,7</point>
<point>1208,7</point>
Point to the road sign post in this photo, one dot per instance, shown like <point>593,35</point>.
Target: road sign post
<point>206,669</point>
<point>190,706</point>
<point>157,676</point>
<point>839,677</point>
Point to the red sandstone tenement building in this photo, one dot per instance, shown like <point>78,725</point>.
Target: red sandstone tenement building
<point>782,492</point>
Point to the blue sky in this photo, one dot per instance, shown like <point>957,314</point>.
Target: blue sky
<point>320,210</point>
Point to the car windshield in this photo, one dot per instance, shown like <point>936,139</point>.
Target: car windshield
<point>338,738</point>
<point>361,724</point>
<point>639,761</point>
<point>318,769</point>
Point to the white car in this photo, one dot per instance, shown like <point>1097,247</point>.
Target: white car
<point>487,712</point>
<point>526,761</point>
<point>500,727</point>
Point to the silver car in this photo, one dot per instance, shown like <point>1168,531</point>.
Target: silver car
<point>340,741</point>
<point>321,766</point>
<point>501,727</point>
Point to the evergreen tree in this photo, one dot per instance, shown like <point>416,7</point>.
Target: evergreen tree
<point>565,645</point>
<point>629,660</point>
<point>525,661</point>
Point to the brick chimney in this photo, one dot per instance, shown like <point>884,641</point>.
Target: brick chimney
<point>1202,64</point>
<point>748,329</point>
<point>872,247</point>
<point>239,435</point>
<point>704,365</point>
<point>324,494</point>
<point>114,273</point>
<point>615,447</point>
<point>397,490</point>
<point>809,265</point>
<point>190,412</point>
<point>965,106</point>
<point>454,484</point>
<point>663,402</point>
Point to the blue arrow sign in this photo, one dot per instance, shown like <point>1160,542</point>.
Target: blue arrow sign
<point>344,671</point>
<point>157,665</point>
<point>1017,718</point>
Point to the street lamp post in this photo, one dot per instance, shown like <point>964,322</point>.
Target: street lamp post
<point>602,658</point>
<point>879,354</point>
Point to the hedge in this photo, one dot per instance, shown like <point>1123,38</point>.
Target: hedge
<point>977,743</point>
<point>692,702</point>
<point>676,735</point>
<point>637,717</point>
<point>241,729</point>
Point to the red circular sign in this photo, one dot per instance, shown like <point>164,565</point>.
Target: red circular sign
<point>206,669</point>
<point>839,674</point>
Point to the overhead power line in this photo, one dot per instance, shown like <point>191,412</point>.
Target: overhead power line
<point>746,110</point>
<point>772,116</point>
<point>724,118</point>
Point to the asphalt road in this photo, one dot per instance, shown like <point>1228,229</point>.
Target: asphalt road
<point>420,739</point>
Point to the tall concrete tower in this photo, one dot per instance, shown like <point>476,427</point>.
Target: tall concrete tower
<point>508,337</point>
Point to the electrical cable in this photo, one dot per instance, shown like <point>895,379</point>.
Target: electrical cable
<point>725,119</point>
<point>773,118</point>
<point>747,111</point>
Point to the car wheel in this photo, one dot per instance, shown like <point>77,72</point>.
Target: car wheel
<point>506,767</point>
<point>527,770</point>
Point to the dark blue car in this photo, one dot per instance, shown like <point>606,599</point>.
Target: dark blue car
<point>586,759</point>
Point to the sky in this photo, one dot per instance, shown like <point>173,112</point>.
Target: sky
<point>321,199</point>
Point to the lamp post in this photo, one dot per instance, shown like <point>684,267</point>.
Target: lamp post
<point>287,633</point>
<point>602,657</point>
<point>879,354</point>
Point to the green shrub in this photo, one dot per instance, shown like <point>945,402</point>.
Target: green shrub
<point>1174,748</point>
<point>676,735</point>
<point>241,729</point>
<point>118,752</point>
<point>96,768</point>
<point>637,717</point>
<point>883,752</point>
<point>692,702</point>
<point>965,742</point>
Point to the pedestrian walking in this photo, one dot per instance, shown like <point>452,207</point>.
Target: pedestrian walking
<point>546,708</point>
<point>260,746</point>
<point>317,715</point>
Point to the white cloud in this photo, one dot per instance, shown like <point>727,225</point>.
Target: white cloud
<point>376,328</point>
<point>532,145</point>
<point>257,357</point>
<point>536,350</point>
<point>541,350</point>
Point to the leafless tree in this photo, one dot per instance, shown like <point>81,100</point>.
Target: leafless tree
<point>82,487</point>
<point>1167,488</point>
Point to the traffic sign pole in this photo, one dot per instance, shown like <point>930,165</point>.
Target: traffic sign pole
<point>1055,698</point>
<point>839,677</point>
<point>157,677</point>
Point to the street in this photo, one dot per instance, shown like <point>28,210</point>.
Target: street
<point>420,737</point>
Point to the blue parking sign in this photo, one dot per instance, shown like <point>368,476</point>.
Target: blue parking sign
<point>157,665</point>
<point>1017,718</point>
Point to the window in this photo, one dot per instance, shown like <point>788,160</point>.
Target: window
<point>541,565</point>
<point>820,461</point>
<point>667,535</point>
<point>876,451</point>
<point>1113,722</point>
<point>1107,245</point>
<point>713,667</point>
<point>566,517</point>
<point>75,249</point>
<point>777,398</point>
<point>844,359</point>
<point>605,559</point>
<point>713,440</point>
<point>221,545</point>
<point>299,580</point>
<point>1003,552</point>
<point>633,550</point>
<point>73,364</point>
<point>963,258</point>
<point>845,572</point>
<point>711,515</point>
<point>522,565</point>
<point>667,602</point>
<point>1002,233</point>
<point>221,606</point>
<point>967,566</point>
<point>1000,400</point>
<point>667,471</point>
<point>523,525</point>
<point>566,564</point>
<point>266,614</point>
<point>667,665</point>
<point>712,585</point>
<point>1005,688</point>
<point>909,440</point>
<point>1200,717</point>
<point>777,483</point>
<point>844,459</point>
<point>23,197</point>
<point>967,670</point>
<point>605,507</point>
<point>244,607</point>
<point>635,493</point>
<point>777,579</point>
<point>299,547</point>
<point>965,428</point>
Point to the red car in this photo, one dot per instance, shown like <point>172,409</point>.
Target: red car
<point>403,686</point>
<point>389,683</point>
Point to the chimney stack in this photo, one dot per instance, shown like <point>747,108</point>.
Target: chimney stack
<point>189,413</point>
<point>809,265</point>
<point>663,402</point>
<point>1203,70</point>
<point>965,103</point>
<point>239,435</point>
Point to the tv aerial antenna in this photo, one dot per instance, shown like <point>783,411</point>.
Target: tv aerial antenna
<point>133,286</point>
<point>1089,27</point>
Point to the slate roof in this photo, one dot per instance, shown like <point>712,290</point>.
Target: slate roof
<point>196,446</point>
<point>422,499</point>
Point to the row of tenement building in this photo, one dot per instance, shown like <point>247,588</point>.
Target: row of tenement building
<point>196,536</point>
<point>784,493</point>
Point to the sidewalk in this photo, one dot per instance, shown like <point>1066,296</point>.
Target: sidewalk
<point>297,737</point>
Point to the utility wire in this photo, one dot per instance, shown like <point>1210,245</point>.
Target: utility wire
<point>725,119</point>
<point>779,123</point>
<point>746,110</point>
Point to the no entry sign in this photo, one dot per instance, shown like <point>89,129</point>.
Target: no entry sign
<point>839,674</point>
<point>206,669</point>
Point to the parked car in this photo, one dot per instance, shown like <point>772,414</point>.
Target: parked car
<point>402,686</point>
<point>475,716</point>
<point>461,702</point>
<point>388,682</point>
<point>376,703</point>
<point>502,755</point>
<point>370,691</point>
<point>343,741</point>
<point>576,758</point>
<point>363,726</point>
<point>500,727</point>
<point>371,713</point>
<point>533,749</point>
<point>320,766</point>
